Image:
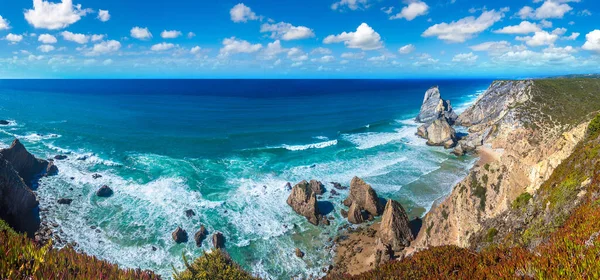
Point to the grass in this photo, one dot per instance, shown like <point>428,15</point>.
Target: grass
<point>215,265</point>
<point>522,201</point>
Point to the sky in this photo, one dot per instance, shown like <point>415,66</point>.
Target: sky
<point>298,39</point>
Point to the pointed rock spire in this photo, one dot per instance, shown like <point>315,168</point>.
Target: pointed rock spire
<point>394,230</point>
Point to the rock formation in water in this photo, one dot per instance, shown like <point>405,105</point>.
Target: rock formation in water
<point>104,191</point>
<point>200,236</point>
<point>28,167</point>
<point>438,133</point>
<point>394,229</point>
<point>355,215</point>
<point>317,187</point>
<point>434,107</point>
<point>179,235</point>
<point>218,240</point>
<point>364,196</point>
<point>304,201</point>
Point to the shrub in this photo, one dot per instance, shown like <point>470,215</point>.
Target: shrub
<point>491,234</point>
<point>522,200</point>
<point>215,265</point>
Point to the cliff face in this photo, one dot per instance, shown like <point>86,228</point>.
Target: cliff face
<point>521,133</point>
<point>28,167</point>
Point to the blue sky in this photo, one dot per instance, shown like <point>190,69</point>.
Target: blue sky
<point>298,39</point>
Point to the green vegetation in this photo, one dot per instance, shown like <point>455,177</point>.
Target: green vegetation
<point>487,167</point>
<point>594,128</point>
<point>215,265</point>
<point>522,201</point>
<point>491,234</point>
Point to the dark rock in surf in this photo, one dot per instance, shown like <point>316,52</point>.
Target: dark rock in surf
<point>104,191</point>
<point>190,213</point>
<point>4,122</point>
<point>200,236</point>
<point>60,157</point>
<point>218,240</point>
<point>179,235</point>
<point>299,253</point>
<point>51,170</point>
<point>96,176</point>
<point>65,201</point>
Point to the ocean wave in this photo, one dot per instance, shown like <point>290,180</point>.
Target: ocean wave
<point>320,145</point>
<point>34,137</point>
<point>88,158</point>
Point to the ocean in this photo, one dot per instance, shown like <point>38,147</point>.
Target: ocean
<point>226,149</point>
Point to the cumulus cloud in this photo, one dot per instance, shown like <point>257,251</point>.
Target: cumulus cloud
<point>242,13</point>
<point>162,47</point>
<point>592,41</point>
<point>324,59</point>
<point>47,39</point>
<point>105,47</point>
<point>465,58</point>
<point>525,27</point>
<point>414,9</point>
<point>14,38</point>
<point>45,48</point>
<point>321,50</point>
<point>352,55</point>
<point>350,4</point>
<point>170,34</point>
<point>103,15</point>
<point>195,50</point>
<point>234,46</point>
<point>96,37</point>
<point>497,47</point>
<point>541,38</point>
<point>407,49</point>
<point>549,9</point>
<point>365,38</point>
<point>140,33</point>
<point>465,28</point>
<point>49,15</point>
<point>4,24</point>
<point>286,31</point>
<point>75,37</point>
<point>273,49</point>
<point>574,36</point>
<point>191,35</point>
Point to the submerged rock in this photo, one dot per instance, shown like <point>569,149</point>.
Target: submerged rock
<point>218,240</point>
<point>394,229</point>
<point>104,191</point>
<point>180,235</point>
<point>304,201</point>
<point>200,236</point>
<point>355,215</point>
<point>434,107</point>
<point>364,196</point>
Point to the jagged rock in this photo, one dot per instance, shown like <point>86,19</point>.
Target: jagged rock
<point>200,236</point>
<point>65,201</point>
<point>383,253</point>
<point>394,229</point>
<point>317,187</point>
<point>51,170</point>
<point>458,150</point>
<point>355,215</point>
<point>325,221</point>
<point>96,176</point>
<point>288,186</point>
<point>60,157</point>
<point>304,201</point>
<point>179,235</point>
<point>344,213</point>
<point>364,196</point>
<point>434,107</point>
<point>104,191</point>
<point>28,167</point>
<point>190,213</point>
<point>18,204</point>
<point>4,122</point>
<point>440,133</point>
<point>422,131</point>
<point>218,240</point>
<point>299,253</point>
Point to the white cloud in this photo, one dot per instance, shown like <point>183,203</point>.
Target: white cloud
<point>107,62</point>
<point>75,37</point>
<point>105,47</point>
<point>14,38</point>
<point>525,27</point>
<point>365,38</point>
<point>592,42</point>
<point>140,33</point>
<point>162,47</point>
<point>297,64</point>
<point>425,60</point>
<point>407,49</point>
<point>350,4</point>
<point>191,35</point>
<point>321,50</point>
<point>542,38</point>
<point>170,34</point>
<point>297,54</point>
<point>242,13</point>
<point>324,59</point>
<point>286,31</point>
<point>273,49</point>
<point>465,58</point>
<point>549,9</point>
<point>414,9</point>
<point>352,55</point>
<point>235,46</point>
<point>47,39</point>
<point>52,16</point>
<point>34,58</point>
<point>465,28</point>
<point>45,48</point>
<point>103,15</point>
<point>4,24</point>
<point>574,36</point>
<point>545,23</point>
<point>96,37</point>
<point>195,50</point>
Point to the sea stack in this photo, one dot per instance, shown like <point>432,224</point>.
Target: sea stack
<point>434,107</point>
<point>364,196</point>
<point>304,201</point>
<point>395,230</point>
<point>440,133</point>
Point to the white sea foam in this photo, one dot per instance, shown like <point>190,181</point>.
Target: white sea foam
<point>35,137</point>
<point>86,157</point>
<point>320,145</point>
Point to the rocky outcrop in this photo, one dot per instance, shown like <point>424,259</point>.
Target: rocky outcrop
<point>394,229</point>
<point>218,240</point>
<point>364,196</point>
<point>190,213</point>
<point>28,167</point>
<point>434,107</point>
<point>200,236</point>
<point>299,253</point>
<point>18,204</point>
<point>355,215</point>
<point>438,133</point>
<point>64,201</point>
<point>179,235</point>
<point>104,191</point>
<point>317,187</point>
<point>304,201</point>
<point>4,122</point>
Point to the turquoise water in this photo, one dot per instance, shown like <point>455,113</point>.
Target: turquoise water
<point>225,149</point>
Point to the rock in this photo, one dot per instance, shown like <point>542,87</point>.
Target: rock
<point>288,186</point>
<point>179,235</point>
<point>458,150</point>
<point>422,131</point>
<point>4,122</point>
<point>154,248</point>
<point>440,133</point>
<point>364,196</point>
<point>325,221</point>
<point>29,168</point>
<point>18,204</point>
<point>344,213</point>
<point>96,176</point>
<point>383,253</point>
<point>190,213</point>
<point>355,215</point>
<point>51,169</point>
<point>338,186</point>
<point>317,187</point>
<point>82,158</point>
<point>434,107</point>
<point>299,253</point>
<point>200,236</point>
<point>104,191</point>
<point>304,201</point>
<point>394,229</point>
<point>65,201</point>
<point>218,240</point>
<point>334,192</point>
<point>60,157</point>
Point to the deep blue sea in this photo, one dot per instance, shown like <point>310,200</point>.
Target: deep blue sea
<point>226,149</point>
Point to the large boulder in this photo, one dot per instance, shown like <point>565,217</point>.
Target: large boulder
<point>18,204</point>
<point>200,236</point>
<point>434,107</point>
<point>179,235</point>
<point>394,229</point>
<point>440,133</point>
<point>304,201</point>
<point>317,187</point>
<point>355,215</point>
<point>364,196</point>
<point>104,191</point>
<point>28,167</point>
<point>218,240</point>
